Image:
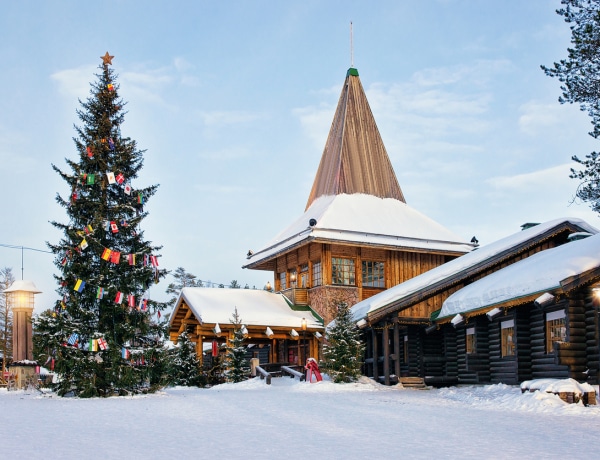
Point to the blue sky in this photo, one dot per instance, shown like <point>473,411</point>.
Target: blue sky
<point>233,101</point>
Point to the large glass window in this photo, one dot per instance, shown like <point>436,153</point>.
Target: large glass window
<point>556,329</point>
<point>316,274</point>
<point>372,274</point>
<point>471,340</point>
<point>342,271</point>
<point>507,336</point>
<point>303,276</point>
<point>282,281</point>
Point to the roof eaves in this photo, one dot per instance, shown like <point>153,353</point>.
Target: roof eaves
<point>432,289</point>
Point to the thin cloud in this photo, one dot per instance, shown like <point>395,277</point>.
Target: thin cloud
<point>536,117</point>
<point>228,117</point>
<point>532,180</point>
<point>227,154</point>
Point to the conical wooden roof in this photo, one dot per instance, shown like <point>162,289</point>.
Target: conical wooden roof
<point>354,159</point>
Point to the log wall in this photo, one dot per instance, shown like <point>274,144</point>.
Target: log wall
<point>592,338</point>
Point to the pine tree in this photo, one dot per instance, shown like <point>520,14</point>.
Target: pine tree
<point>579,77</point>
<point>215,367</point>
<point>6,279</point>
<point>182,279</point>
<point>343,351</point>
<point>106,267</point>
<point>236,362</point>
<point>185,366</point>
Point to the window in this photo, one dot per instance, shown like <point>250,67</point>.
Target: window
<point>316,274</point>
<point>471,340</point>
<point>342,271</point>
<point>372,274</point>
<point>507,337</point>
<point>282,281</point>
<point>556,329</point>
<point>303,276</point>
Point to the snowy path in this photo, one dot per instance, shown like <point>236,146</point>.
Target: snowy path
<point>253,420</point>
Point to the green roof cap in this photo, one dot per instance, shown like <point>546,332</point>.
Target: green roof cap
<point>352,71</point>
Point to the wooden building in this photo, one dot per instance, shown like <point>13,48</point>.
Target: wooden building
<point>408,333</point>
<point>290,334</point>
<point>357,236</point>
<point>538,318</point>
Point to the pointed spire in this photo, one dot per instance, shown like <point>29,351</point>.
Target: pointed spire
<point>354,159</point>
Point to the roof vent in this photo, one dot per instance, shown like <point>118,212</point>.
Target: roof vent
<point>578,236</point>
<point>527,225</point>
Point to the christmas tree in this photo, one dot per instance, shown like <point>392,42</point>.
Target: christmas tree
<point>343,351</point>
<point>101,336</point>
<point>236,362</point>
<point>185,366</point>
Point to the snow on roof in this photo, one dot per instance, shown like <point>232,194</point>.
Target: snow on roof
<point>538,273</point>
<point>23,285</point>
<point>460,264</point>
<point>361,218</point>
<point>255,307</point>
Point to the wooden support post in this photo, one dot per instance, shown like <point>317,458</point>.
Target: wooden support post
<point>375,355</point>
<point>199,346</point>
<point>386,355</point>
<point>397,349</point>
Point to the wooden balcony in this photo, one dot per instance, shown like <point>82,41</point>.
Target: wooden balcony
<point>298,296</point>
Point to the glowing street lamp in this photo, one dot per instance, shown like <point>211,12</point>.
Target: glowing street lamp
<point>20,298</point>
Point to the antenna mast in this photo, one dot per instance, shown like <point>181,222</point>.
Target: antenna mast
<point>351,46</point>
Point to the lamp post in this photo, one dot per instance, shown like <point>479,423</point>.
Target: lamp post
<point>20,299</point>
<point>304,340</point>
<point>268,286</point>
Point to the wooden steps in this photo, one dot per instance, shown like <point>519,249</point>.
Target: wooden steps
<point>413,383</point>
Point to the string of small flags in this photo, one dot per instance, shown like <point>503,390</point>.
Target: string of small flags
<point>136,357</point>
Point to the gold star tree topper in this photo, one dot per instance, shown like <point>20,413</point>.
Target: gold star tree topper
<point>107,59</point>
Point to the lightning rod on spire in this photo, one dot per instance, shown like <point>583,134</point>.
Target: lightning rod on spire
<point>351,46</point>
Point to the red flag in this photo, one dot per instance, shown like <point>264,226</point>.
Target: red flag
<point>115,257</point>
<point>158,314</point>
<point>113,227</point>
<point>106,254</point>
<point>131,300</point>
<point>215,348</point>
<point>89,152</point>
<point>120,178</point>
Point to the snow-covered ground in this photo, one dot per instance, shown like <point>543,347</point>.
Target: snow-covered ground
<point>292,419</point>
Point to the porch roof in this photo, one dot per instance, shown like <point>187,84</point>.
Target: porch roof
<point>448,274</point>
<point>553,270</point>
<point>256,308</point>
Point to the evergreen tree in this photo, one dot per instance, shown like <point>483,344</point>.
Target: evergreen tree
<point>215,367</point>
<point>343,351</point>
<point>6,279</point>
<point>579,74</point>
<point>234,284</point>
<point>237,365</point>
<point>182,279</point>
<point>102,335</point>
<point>185,366</point>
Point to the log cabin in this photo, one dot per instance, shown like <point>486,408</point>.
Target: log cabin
<point>278,331</point>
<point>410,335</point>
<point>357,236</point>
<point>535,319</point>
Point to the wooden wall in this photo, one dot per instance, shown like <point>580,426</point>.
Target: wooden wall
<point>592,337</point>
<point>473,368</point>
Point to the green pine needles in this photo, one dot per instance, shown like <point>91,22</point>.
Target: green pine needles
<point>237,367</point>
<point>101,335</point>
<point>343,352</point>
